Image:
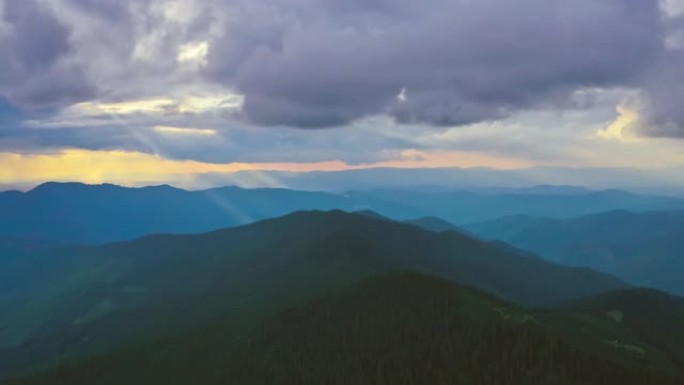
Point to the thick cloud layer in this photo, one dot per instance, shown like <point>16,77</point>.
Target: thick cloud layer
<point>325,63</point>
<point>659,105</point>
<point>34,46</point>
<point>313,63</point>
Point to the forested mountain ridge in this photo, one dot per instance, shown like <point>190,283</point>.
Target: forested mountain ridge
<point>108,296</point>
<point>399,327</point>
<point>654,316</point>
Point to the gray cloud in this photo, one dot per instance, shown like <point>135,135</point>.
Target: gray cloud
<point>34,45</point>
<point>321,63</point>
<point>366,142</point>
<point>313,63</point>
<point>659,103</point>
<point>325,63</point>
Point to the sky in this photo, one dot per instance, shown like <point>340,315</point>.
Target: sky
<point>155,91</point>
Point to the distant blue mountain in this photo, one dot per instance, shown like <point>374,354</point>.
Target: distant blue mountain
<point>669,180</point>
<point>79,213</point>
<point>89,214</point>
<point>462,207</point>
<point>642,248</point>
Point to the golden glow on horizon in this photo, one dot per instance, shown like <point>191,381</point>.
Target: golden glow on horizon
<point>136,168</point>
<point>123,167</point>
<point>415,159</point>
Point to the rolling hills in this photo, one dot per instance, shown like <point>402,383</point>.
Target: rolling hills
<point>642,248</point>
<point>90,299</point>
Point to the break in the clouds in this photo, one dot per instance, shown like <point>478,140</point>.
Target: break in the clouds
<point>234,80</point>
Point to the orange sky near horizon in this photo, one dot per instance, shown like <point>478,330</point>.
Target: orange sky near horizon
<point>137,168</point>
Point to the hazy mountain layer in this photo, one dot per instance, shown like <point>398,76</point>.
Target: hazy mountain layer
<point>643,248</point>
<point>84,214</point>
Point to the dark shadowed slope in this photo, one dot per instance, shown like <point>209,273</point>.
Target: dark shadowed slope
<point>432,224</point>
<point>93,298</point>
<point>20,260</point>
<point>16,255</point>
<point>652,315</point>
<point>395,328</point>
<point>643,248</point>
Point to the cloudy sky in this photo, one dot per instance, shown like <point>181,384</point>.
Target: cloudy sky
<point>148,91</point>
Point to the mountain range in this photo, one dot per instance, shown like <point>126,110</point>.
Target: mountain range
<point>92,214</point>
<point>72,302</point>
<point>642,248</point>
<point>648,181</point>
<point>110,285</point>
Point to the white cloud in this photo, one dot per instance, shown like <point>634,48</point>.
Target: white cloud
<point>141,112</point>
<point>193,52</point>
<point>673,7</point>
<point>184,131</point>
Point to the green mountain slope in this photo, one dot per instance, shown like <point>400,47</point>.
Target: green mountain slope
<point>92,299</point>
<point>642,248</point>
<point>394,328</point>
<point>19,261</point>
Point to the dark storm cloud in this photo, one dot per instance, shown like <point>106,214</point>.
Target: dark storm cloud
<point>659,104</point>
<point>34,44</point>
<point>42,39</point>
<point>105,10</point>
<point>312,63</point>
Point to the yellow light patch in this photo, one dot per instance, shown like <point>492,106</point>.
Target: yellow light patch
<point>125,168</point>
<point>618,128</point>
<point>122,108</point>
<point>161,105</point>
<point>184,131</point>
